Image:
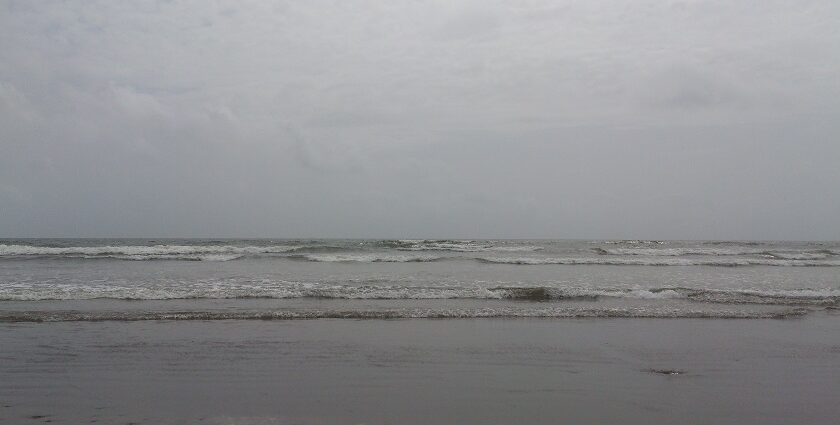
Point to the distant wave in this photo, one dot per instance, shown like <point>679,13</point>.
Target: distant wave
<point>159,252</point>
<point>548,313</point>
<point>747,243</point>
<point>425,251</point>
<point>455,245</point>
<point>220,252</point>
<point>633,242</point>
<point>731,251</point>
<point>140,251</point>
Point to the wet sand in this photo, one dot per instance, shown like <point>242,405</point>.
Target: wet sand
<point>479,371</point>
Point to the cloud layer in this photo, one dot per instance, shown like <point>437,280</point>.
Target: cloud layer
<point>579,119</point>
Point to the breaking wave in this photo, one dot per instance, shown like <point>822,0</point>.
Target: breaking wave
<point>289,290</point>
<point>643,253</point>
<point>720,262</point>
<point>549,313</point>
<point>144,252</point>
<point>367,258</point>
<point>732,251</point>
<point>633,242</point>
<point>806,255</point>
<point>821,297</point>
<point>455,245</point>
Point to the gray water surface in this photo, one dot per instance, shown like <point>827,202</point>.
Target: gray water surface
<point>113,279</point>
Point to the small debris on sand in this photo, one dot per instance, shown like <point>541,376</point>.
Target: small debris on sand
<point>667,371</point>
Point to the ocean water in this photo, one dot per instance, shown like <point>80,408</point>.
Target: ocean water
<point>279,279</point>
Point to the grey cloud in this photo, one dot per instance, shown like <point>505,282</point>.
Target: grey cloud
<point>638,119</point>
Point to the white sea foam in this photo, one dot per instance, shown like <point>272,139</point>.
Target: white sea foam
<point>225,289</point>
<point>409,313</point>
<point>799,255</point>
<point>633,242</point>
<point>460,246</point>
<point>722,262</point>
<point>150,251</point>
<point>370,258</point>
<point>718,251</point>
<point>675,252</point>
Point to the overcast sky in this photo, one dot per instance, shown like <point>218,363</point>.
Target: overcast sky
<point>558,119</point>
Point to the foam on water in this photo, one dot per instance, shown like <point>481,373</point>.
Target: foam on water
<point>659,261</point>
<point>458,246</point>
<point>368,258</point>
<point>143,252</point>
<point>290,290</point>
<point>541,278</point>
<point>632,242</point>
<point>641,253</point>
<point>703,251</point>
<point>416,313</point>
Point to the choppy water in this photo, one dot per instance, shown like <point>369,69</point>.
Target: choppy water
<point>129,279</point>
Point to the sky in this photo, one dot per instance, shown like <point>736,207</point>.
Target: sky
<point>432,119</point>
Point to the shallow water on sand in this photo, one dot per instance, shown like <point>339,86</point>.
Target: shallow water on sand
<point>489,371</point>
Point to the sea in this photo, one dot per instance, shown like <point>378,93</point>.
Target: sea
<point>71,280</point>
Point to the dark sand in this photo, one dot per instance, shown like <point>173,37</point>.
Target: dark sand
<point>485,371</point>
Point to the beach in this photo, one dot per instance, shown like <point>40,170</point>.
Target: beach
<point>418,331</point>
<point>421,371</point>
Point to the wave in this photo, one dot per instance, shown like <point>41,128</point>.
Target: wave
<point>822,297</point>
<point>162,257</point>
<point>747,243</point>
<point>732,251</point>
<point>803,255</point>
<point>547,313</point>
<point>432,250</point>
<point>367,258</point>
<point>290,290</point>
<point>455,245</point>
<point>280,290</point>
<point>140,250</point>
<point>343,253</point>
<point>720,262</point>
<point>159,252</point>
<point>676,252</point>
<point>632,242</point>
